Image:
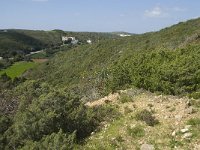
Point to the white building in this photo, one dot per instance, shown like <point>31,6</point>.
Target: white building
<point>74,41</point>
<point>124,35</point>
<point>66,38</point>
<point>89,41</point>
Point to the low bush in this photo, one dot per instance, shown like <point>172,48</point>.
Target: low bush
<point>147,117</point>
<point>194,122</point>
<point>137,131</point>
<point>124,98</point>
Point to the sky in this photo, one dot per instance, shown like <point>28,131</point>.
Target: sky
<point>135,16</point>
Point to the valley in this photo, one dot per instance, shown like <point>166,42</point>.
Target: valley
<point>116,92</point>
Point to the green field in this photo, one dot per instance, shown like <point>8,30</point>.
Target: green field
<point>40,55</point>
<point>18,68</point>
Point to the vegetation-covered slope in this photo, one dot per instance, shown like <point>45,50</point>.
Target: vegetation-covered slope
<point>46,110</point>
<point>166,61</point>
<point>24,41</point>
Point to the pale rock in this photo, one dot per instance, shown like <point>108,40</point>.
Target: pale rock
<point>174,133</point>
<point>184,130</point>
<point>188,126</point>
<point>187,135</point>
<point>147,147</point>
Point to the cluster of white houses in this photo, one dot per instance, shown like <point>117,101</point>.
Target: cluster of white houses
<point>72,40</point>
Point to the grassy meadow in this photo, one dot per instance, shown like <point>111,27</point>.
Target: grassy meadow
<point>18,68</point>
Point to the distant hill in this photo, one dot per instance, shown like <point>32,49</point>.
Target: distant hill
<point>24,41</point>
<point>14,41</point>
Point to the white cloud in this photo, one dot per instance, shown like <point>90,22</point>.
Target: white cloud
<point>156,12</point>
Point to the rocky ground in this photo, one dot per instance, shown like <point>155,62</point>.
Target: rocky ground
<point>177,122</point>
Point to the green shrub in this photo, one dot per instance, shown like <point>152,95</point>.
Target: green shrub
<point>127,110</point>
<point>195,102</point>
<point>194,122</point>
<point>54,141</point>
<point>195,95</point>
<point>119,138</point>
<point>106,113</point>
<point>124,98</point>
<point>147,117</point>
<point>53,112</point>
<point>174,143</point>
<point>137,131</point>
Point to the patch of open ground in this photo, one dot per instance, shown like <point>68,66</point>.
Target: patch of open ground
<point>173,130</point>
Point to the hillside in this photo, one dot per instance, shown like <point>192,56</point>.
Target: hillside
<point>170,56</point>
<point>23,41</point>
<point>60,104</point>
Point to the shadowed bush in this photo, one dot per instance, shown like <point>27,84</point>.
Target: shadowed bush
<point>147,117</point>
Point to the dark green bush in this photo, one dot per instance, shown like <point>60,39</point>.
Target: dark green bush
<point>54,141</point>
<point>147,117</point>
<point>171,72</point>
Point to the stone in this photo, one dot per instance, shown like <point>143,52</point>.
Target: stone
<point>184,130</point>
<point>188,126</point>
<point>147,147</point>
<point>187,135</point>
<point>174,133</point>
